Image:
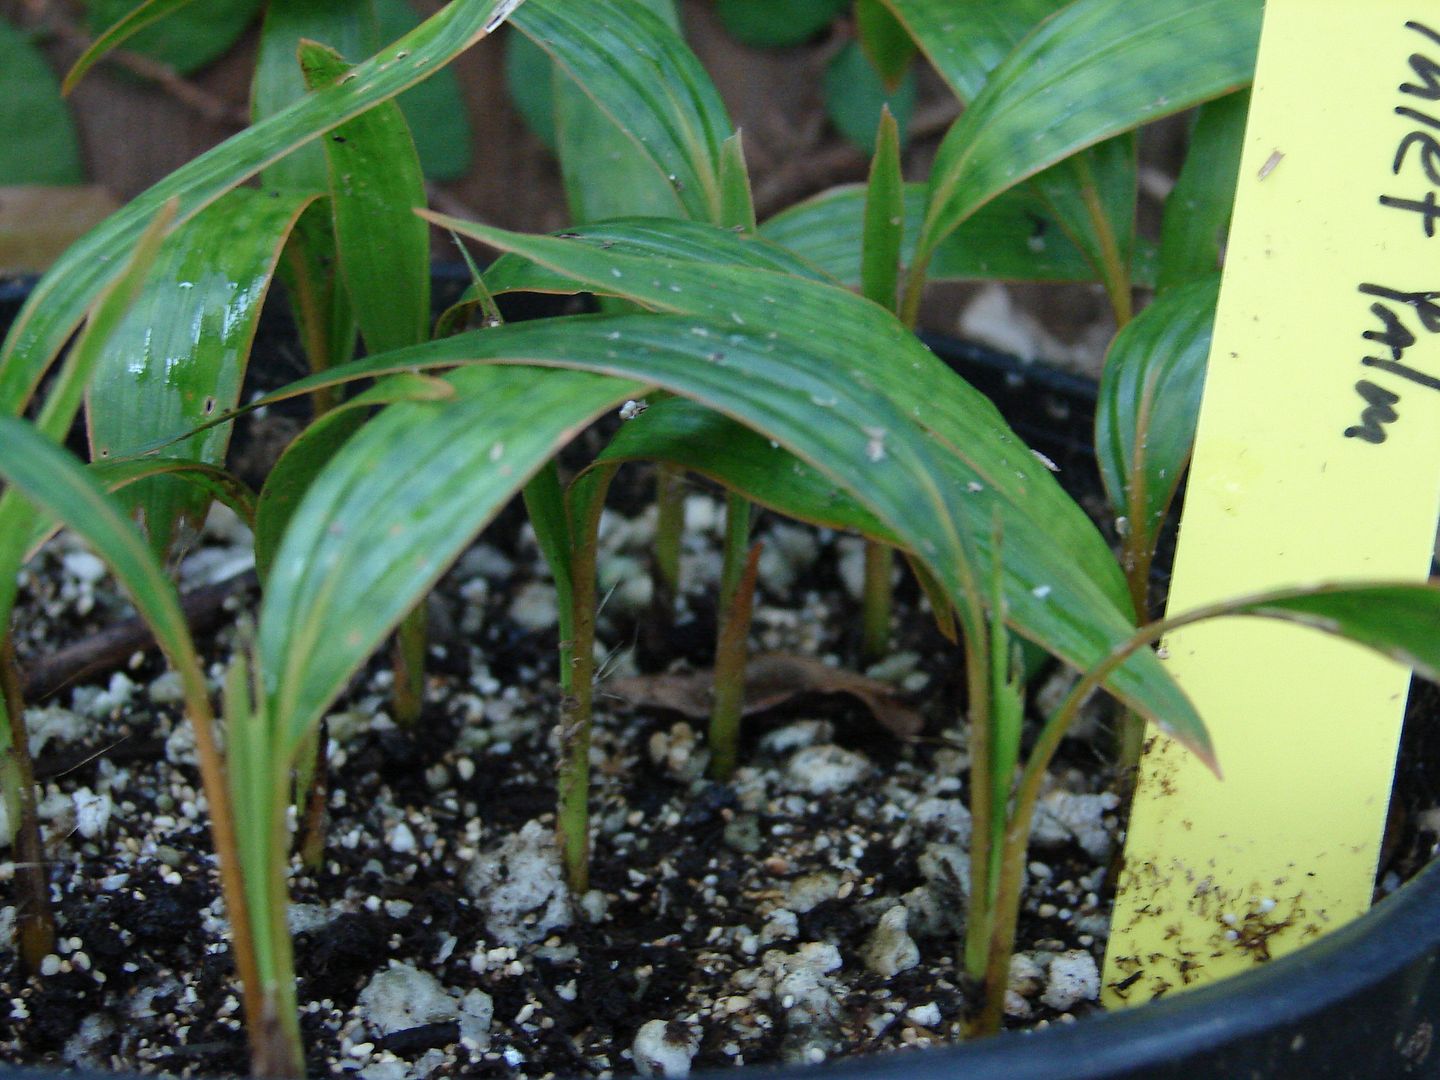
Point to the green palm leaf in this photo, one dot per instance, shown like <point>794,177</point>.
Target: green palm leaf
<point>59,300</point>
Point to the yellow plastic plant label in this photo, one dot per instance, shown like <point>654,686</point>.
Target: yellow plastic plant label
<point>1317,459</point>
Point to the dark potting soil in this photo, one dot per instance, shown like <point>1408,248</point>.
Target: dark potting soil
<point>808,910</point>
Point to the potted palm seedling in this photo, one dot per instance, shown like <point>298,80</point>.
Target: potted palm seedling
<point>651,896</point>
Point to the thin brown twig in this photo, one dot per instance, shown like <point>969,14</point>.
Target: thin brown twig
<point>113,646</point>
<point>212,108</point>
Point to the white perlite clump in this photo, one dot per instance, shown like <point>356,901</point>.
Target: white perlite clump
<point>302,918</point>
<point>1064,815</point>
<point>890,949</point>
<point>825,770</point>
<point>789,551</point>
<point>180,745</point>
<point>534,606</point>
<point>402,840</point>
<point>950,818</point>
<point>1072,978</point>
<point>805,990</point>
<point>477,1011</point>
<point>403,997</point>
<point>166,688</point>
<point>664,1048</point>
<point>86,1048</point>
<point>809,891</point>
<point>679,751</point>
<point>796,736</point>
<point>520,887</point>
<point>53,723</point>
<point>927,1015</point>
<point>851,565</point>
<point>92,812</point>
<point>97,703</point>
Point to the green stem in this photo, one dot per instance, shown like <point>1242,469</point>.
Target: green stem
<point>1027,797</point>
<point>276,1048</point>
<point>983,809</point>
<point>1137,555</point>
<point>407,694</point>
<point>243,939</point>
<point>914,290</point>
<point>669,529</point>
<point>877,601</point>
<point>1113,271</point>
<point>545,506</point>
<point>731,656</point>
<point>35,920</point>
<point>572,815</point>
<point>734,629</point>
<point>737,539</point>
<point>312,783</point>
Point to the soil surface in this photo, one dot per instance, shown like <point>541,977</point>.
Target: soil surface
<point>808,910</point>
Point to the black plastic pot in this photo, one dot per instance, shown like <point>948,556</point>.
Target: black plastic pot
<point>1361,1003</point>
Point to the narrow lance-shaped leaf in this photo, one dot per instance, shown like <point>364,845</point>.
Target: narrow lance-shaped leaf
<point>965,42</point>
<point>60,298</point>
<point>1092,195</point>
<point>308,453</point>
<point>313,281</point>
<point>737,204</point>
<point>884,226</point>
<point>351,29</point>
<point>17,517</point>
<point>654,237</point>
<point>139,17</point>
<point>887,44</point>
<point>1149,400</point>
<point>179,355</point>
<point>1014,238</point>
<point>115,476</point>
<point>863,344</point>
<point>435,108</point>
<point>1397,620</point>
<point>187,38</point>
<point>375,185</point>
<point>681,432</point>
<point>590,145</point>
<point>216,482</point>
<point>51,479</point>
<point>393,509</point>
<point>1197,213</point>
<point>778,386</point>
<point>659,96</point>
<point>1118,65</point>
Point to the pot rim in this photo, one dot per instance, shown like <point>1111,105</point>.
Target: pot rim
<point>1348,964</point>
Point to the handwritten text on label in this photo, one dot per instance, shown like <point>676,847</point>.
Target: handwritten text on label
<point>1391,304</point>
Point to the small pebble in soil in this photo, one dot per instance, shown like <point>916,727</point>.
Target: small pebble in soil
<point>664,1048</point>
<point>1072,978</point>
<point>890,949</point>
